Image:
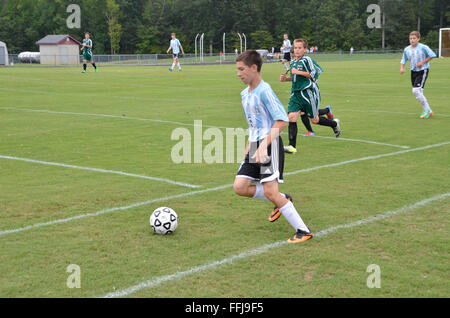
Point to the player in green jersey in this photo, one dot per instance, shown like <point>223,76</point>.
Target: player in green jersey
<point>87,52</point>
<point>305,95</point>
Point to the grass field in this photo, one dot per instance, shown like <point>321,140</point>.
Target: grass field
<point>58,126</point>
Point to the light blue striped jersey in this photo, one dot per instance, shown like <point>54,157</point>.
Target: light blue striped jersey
<point>414,56</point>
<point>175,45</point>
<point>261,109</point>
<point>287,45</point>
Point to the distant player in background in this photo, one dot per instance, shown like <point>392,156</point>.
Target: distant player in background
<point>305,95</point>
<point>176,47</point>
<point>262,170</point>
<point>419,57</point>
<point>87,52</point>
<point>286,50</point>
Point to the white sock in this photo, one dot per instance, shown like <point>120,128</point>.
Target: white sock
<point>259,194</point>
<point>424,102</point>
<point>294,219</point>
<point>286,67</point>
<point>173,65</point>
<point>418,93</point>
<point>179,66</point>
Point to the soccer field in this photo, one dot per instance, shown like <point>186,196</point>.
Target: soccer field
<point>86,158</point>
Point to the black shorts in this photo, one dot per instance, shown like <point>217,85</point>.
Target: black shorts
<point>175,56</point>
<point>287,57</point>
<point>418,79</point>
<point>266,172</point>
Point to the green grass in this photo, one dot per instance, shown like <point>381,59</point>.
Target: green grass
<point>117,250</point>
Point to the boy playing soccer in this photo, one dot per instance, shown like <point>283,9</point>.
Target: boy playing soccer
<point>305,95</point>
<point>286,50</point>
<point>87,52</point>
<point>419,57</point>
<point>175,46</point>
<point>264,156</point>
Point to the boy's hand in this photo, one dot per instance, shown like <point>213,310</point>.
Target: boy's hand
<point>261,155</point>
<point>402,70</point>
<point>420,64</point>
<point>283,78</point>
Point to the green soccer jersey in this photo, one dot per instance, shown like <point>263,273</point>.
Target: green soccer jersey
<point>87,50</point>
<point>304,64</point>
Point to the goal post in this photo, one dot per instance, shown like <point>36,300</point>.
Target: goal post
<point>444,42</point>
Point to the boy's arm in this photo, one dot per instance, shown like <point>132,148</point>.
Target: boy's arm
<point>168,50</point>
<point>182,51</point>
<point>261,155</point>
<point>422,63</point>
<point>402,63</point>
<point>301,73</point>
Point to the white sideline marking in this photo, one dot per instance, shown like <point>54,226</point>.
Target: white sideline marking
<point>389,112</point>
<point>177,123</point>
<point>183,195</point>
<point>364,141</point>
<point>229,260</point>
<point>187,185</point>
<point>107,116</point>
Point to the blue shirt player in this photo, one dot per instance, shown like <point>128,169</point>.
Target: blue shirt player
<point>262,170</point>
<point>176,47</point>
<point>419,57</point>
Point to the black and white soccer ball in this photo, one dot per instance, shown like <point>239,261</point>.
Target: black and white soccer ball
<point>164,221</point>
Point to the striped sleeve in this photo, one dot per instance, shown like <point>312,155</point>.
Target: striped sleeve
<point>310,66</point>
<point>273,105</point>
<point>429,52</point>
<point>404,58</point>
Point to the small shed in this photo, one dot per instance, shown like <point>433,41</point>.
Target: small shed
<point>59,50</point>
<point>3,54</point>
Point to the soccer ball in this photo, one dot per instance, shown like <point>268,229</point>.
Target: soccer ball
<point>164,221</point>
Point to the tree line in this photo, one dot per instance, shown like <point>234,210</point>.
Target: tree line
<point>144,26</point>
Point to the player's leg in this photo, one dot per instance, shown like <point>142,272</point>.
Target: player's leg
<point>95,66</point>
<point>294,109</point>
<point>178,63</point>
<point>84,65</point>
<point>418,80</point>
<point>311,99</point>
<point>307,124</point>
<point>289,211</point>
<point>173,63</point>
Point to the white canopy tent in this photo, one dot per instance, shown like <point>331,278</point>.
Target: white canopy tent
<point>3,54</point>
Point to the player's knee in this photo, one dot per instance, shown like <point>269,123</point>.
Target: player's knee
<point>240,189</point>
<point>315,120</point>
<point>417,91</point>
<point>293,117</point>
<point>270,194</point>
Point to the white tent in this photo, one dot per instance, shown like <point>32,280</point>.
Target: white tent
<point>3,54</point>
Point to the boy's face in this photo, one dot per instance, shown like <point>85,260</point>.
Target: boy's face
<point>299,49</point>
<point>413,40</point>
<point>286,37</point>
<point>246,73</point>
<point>86,36</point>
<point>173,36</point>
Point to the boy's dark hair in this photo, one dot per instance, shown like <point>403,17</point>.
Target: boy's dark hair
<point>251,57</point>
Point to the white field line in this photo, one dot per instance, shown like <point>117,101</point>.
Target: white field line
<point>56,164</point>
<point>105,211</point>
<point>364,141</point>
<point>182,195</point>
<point>107,116</point>
<point>178,123</point>
<point>390,112</point>
<point>229,260</point>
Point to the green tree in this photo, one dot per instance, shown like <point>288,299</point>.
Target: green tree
<point>114,27</point>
